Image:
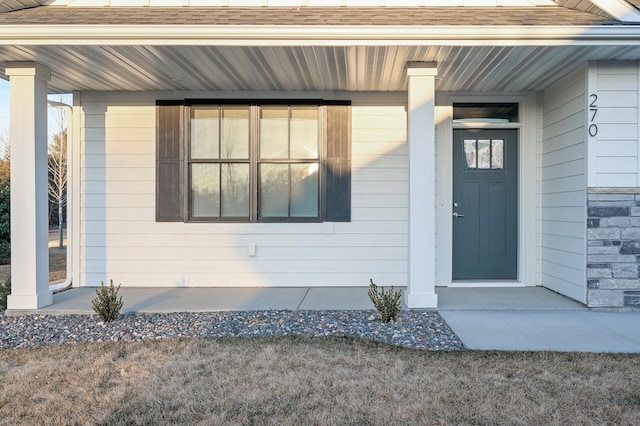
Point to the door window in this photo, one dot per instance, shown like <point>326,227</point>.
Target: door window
<point>483,154</point>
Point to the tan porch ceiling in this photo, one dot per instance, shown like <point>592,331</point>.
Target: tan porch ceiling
<point>306,68</point>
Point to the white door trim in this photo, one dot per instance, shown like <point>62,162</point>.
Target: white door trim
<point>527,187</point>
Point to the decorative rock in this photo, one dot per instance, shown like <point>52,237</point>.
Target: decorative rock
<point>613,237</point>
<point>624,270</point>
<point>613,190</point>
<point>604,298</point>
<point>624,222</point>
<point>417,330</point>
<point>611,197</point>
<point>603,233</point>
<point>630,233</point>
<point>603,250</point>
<point>618,283</point>
<point>611,243</point>
<point>598,265</point>
<point>611,258</point>
<point>607,211</point>
<point>630,247</point>
<point>593,223</point>
<point>607,204</point>
<point>599,273</point>
<point>632,298</point>
<point>632,301</point>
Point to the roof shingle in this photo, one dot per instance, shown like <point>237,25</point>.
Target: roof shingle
<point>383,16</point>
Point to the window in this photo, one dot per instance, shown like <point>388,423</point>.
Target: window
<point>267,161</point>
<point>219,166</point>
<point>485,112</point>
<point>289,162</point>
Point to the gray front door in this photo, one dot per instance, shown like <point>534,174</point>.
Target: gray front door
<point>485,209</point>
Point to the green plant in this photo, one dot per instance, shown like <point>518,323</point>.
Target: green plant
<point>5,223</point>
<point>107,305</point>
<point>386,302</point>
<point>5,290</point>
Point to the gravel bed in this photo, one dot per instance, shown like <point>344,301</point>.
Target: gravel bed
<point>416,330</point>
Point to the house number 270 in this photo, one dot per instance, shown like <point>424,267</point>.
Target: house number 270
<point>593,111</point>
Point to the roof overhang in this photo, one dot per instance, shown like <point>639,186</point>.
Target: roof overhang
<point>272,35</point>
<point>291,57</point>
<point>307,68</point>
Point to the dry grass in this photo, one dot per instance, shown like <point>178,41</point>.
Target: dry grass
<point>311,381</point>
<point>57,266</point>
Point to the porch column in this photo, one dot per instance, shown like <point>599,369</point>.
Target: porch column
<point>421,133</point>
<point>29,206</point>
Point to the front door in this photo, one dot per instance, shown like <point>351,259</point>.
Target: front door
<point>485,204</point>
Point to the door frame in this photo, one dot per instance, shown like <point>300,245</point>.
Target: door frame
<point>484,267</point>
<point>528,221</point>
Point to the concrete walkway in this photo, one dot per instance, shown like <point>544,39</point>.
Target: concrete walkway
<point>564,331</point>
<point>535,319</point>
<point>522,319</point>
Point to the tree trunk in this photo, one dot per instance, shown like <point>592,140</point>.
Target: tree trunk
<point>60,241</point>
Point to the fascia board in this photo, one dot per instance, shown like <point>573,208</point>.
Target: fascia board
<point>264,35</point>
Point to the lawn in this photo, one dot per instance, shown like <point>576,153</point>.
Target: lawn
<point>57,266</point>
<point>298,380</point>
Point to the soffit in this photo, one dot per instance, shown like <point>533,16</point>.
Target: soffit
<point>310,68</point>
<point>261,65</point>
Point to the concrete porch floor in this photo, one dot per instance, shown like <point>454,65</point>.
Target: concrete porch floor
<point>525,318</point>
<point>156,299</point>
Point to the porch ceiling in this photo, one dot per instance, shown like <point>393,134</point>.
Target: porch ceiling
<point>306,68</point>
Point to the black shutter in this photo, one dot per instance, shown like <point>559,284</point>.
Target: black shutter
<point>337,189</point>
<point>169,174</point>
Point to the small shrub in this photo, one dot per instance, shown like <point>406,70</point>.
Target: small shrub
<point>5,224</point>
<point>5,290</point>
<point>386,302</point>
<point>107,305</point>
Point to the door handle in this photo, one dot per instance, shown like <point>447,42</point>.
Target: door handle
<point>456,214</point>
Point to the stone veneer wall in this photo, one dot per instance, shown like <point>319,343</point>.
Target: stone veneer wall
<point>613,253</point>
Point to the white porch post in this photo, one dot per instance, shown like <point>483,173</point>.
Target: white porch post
<point>29,206</point>
<point>421,133</point>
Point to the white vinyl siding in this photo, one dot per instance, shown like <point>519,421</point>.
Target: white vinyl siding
<point>613,152</point>
<point>563,187</point>
<point>121,240</point>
